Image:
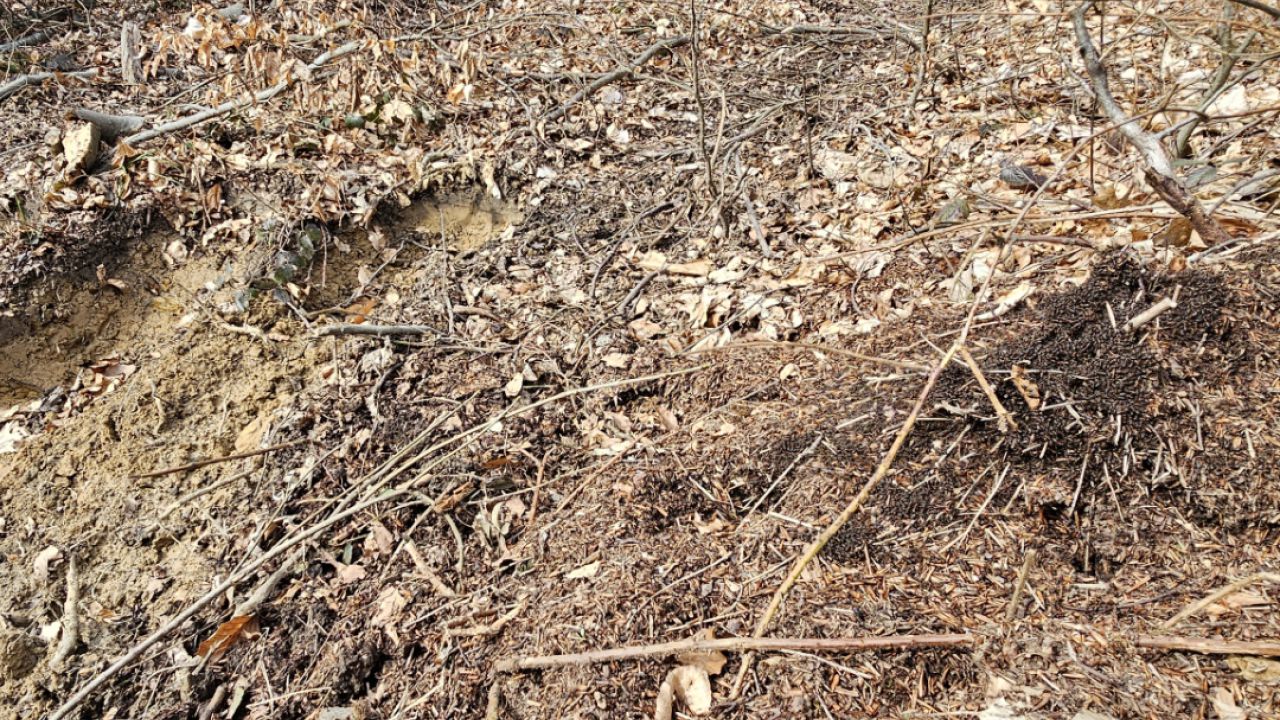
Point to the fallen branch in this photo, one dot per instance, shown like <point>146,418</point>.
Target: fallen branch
<point>1159,169</point>
<point>863,644</point>
<point>110,127</point>
<point>70,619</point>
<point>1004,418</point>
<point>1217,595</point>
<point>27,40</point>
<point>1151,313</point>
<point>376,330</point>
<point>22,81</point>
<point>1208,646</point>
<point>1011,613</point>
<point>225,458</point>
<point>618,74</point>
<point>233,105</point>
<point>850,510</point>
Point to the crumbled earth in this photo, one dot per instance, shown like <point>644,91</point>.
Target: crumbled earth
<point>649,333</point>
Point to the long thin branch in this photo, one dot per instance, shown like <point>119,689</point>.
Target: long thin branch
<point>1160,171</point>
<point>28,40</point>
<point>233,105</point>
<point>889,642</point>
<point>850,510</point>
<point>375,330</point>
<point>22,81</point>
<point>225,458</point>
<point>618,73</point>
<point>1209,646</point>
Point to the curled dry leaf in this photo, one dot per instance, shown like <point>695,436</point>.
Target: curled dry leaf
<point>227,635</point>
<point>692,688</point>
<point>690,685</point>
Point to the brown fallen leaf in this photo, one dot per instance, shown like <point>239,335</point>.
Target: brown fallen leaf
<point>711,661</point>
<point>227,635</point>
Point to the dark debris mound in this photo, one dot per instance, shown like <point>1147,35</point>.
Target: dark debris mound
<point>1098,382</point>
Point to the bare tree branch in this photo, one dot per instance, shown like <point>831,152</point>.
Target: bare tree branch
<point>1160,171</point>
<point>1260,7</point>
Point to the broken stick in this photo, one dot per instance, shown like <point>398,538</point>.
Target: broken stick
<point>224,458</point>
<point>376,330</point>
<point>1160,171</point>
<point>1209,646</point>
<point>860,644</point>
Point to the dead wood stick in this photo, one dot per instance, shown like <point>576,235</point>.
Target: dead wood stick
<point>1151,313</point>
<point>110,127</point>
<point>1217,595</point>
<point>233,105</point>
<point>225,458</point>
<point>70,619</point>
<point>1011,613</point>
<point>376,330</point>
<point>769,344</point>
<point>211,707</point>
<point>199,492</point>
<point>268,586</point>
<point>618,73</point>
<point>27,40</point>
<point>22,81</point>
<point>130,57</point>
<point>1159,171</point>
<point>850,510</point>
<point>1004,418</point>
<point>492,628</point>
<point>1209,646</point>
<point>860,644</point>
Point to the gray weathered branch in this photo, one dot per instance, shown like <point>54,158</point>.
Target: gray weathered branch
<point>1160,171</point>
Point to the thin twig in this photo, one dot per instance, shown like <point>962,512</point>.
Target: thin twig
<point>862,644</point>
<point>1217,595</point>
<point>375,330</point>
<point>772,344</point>
<point>1011,613</point>
<point>200,492</point>
<point>1209,646</point>
<point>618,73</point>
<point>852,508</point>
<point>226,458</point>
<point>1004,418</point>
<point>233,105</point>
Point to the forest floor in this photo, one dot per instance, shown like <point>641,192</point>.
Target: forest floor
<point>462,332</point>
